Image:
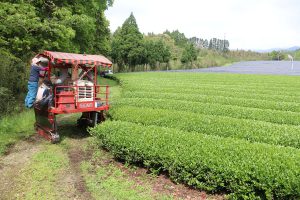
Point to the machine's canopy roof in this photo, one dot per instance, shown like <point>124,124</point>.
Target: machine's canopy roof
<point>73,58</point>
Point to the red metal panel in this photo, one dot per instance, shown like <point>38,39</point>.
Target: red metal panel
<point>66,100</point>
<point>64,111</point>
<point>43,134</point>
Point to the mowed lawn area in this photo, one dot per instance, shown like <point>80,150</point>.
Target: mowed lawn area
<point>222,133</point>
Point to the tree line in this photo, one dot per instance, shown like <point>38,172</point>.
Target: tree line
<point>132,50</point>
<point>213,44</point>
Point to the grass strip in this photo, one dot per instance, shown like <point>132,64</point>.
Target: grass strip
<point>38,180</point>
<point>14,128</point>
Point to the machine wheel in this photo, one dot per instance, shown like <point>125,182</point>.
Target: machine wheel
<point>90,119</point>
<point>101,117</point>
<point>83,122</point>
<point>52,137</point>
<point>98,117</point>
<point>55,138</point>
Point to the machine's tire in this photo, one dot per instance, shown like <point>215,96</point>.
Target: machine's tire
<point>101,117</point>
<point>95,119</point>
<point>55,139</point>
<point>83,122</point>
<point>90,119</point>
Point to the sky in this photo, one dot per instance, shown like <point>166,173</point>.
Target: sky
<point>247,24</point>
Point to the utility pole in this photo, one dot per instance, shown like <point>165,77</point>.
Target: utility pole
<point>292,60</point>
<point>224,42</point>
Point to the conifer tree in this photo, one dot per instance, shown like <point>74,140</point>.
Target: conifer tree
<point>127,47</point>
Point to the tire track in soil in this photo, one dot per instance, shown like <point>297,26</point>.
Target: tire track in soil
<point>76,156</point>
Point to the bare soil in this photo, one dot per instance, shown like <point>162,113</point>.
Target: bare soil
<point>76,156</point>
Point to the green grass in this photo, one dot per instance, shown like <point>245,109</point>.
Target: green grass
<point>14,128</point>
<point>38,179</point>
<point>106,181</point>
<point>212,59</point>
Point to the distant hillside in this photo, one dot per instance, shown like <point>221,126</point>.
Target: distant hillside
<point>294,48</point>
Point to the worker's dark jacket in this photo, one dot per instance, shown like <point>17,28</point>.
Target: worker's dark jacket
<point>35,73</point>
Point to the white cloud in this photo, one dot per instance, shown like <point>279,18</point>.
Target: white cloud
<point>247,24</point>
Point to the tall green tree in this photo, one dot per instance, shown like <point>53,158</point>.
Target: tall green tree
<point>156,52</point>
<point>116,52</point>
<point>24,33</point>
<point>102,42</point>
<point>169,43</point>
<point>178,37</point>
<point>276,55</point>
<point>127,44</point>
<point>189,54</point>
<point>63,25</point>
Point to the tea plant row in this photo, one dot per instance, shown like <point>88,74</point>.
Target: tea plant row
<point>207,162</point>
<point>234,134</point>
<point>273,116</point>
<point>254,131</point>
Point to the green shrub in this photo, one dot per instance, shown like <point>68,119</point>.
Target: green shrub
<point>14,127</point>
<point>207,162</point>
<point>13,73</point>
<point>273,116</point>
<point>233,134</point>
<point>7,101</point>
<point>254,131</point>
<point>217,99</point>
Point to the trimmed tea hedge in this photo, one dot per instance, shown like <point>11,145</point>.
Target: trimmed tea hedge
<point>244,102</point>
<point>207,162</point>
<point>274,116</point>
<point>233,134</point>
<point>255,131</point>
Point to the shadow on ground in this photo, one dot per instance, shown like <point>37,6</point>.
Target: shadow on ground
<point>68,128</point>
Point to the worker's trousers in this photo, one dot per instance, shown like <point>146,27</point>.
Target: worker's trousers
<point>31,95</point>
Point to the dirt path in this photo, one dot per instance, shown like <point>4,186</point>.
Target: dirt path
<point>17,157</point>
<point>77,169</point>
<point>19,163</point>
<point>76,157</point>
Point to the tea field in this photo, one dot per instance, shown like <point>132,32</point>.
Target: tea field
<point>231,134</point>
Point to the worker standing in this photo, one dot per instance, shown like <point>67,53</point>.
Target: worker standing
<point>36,67</point>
